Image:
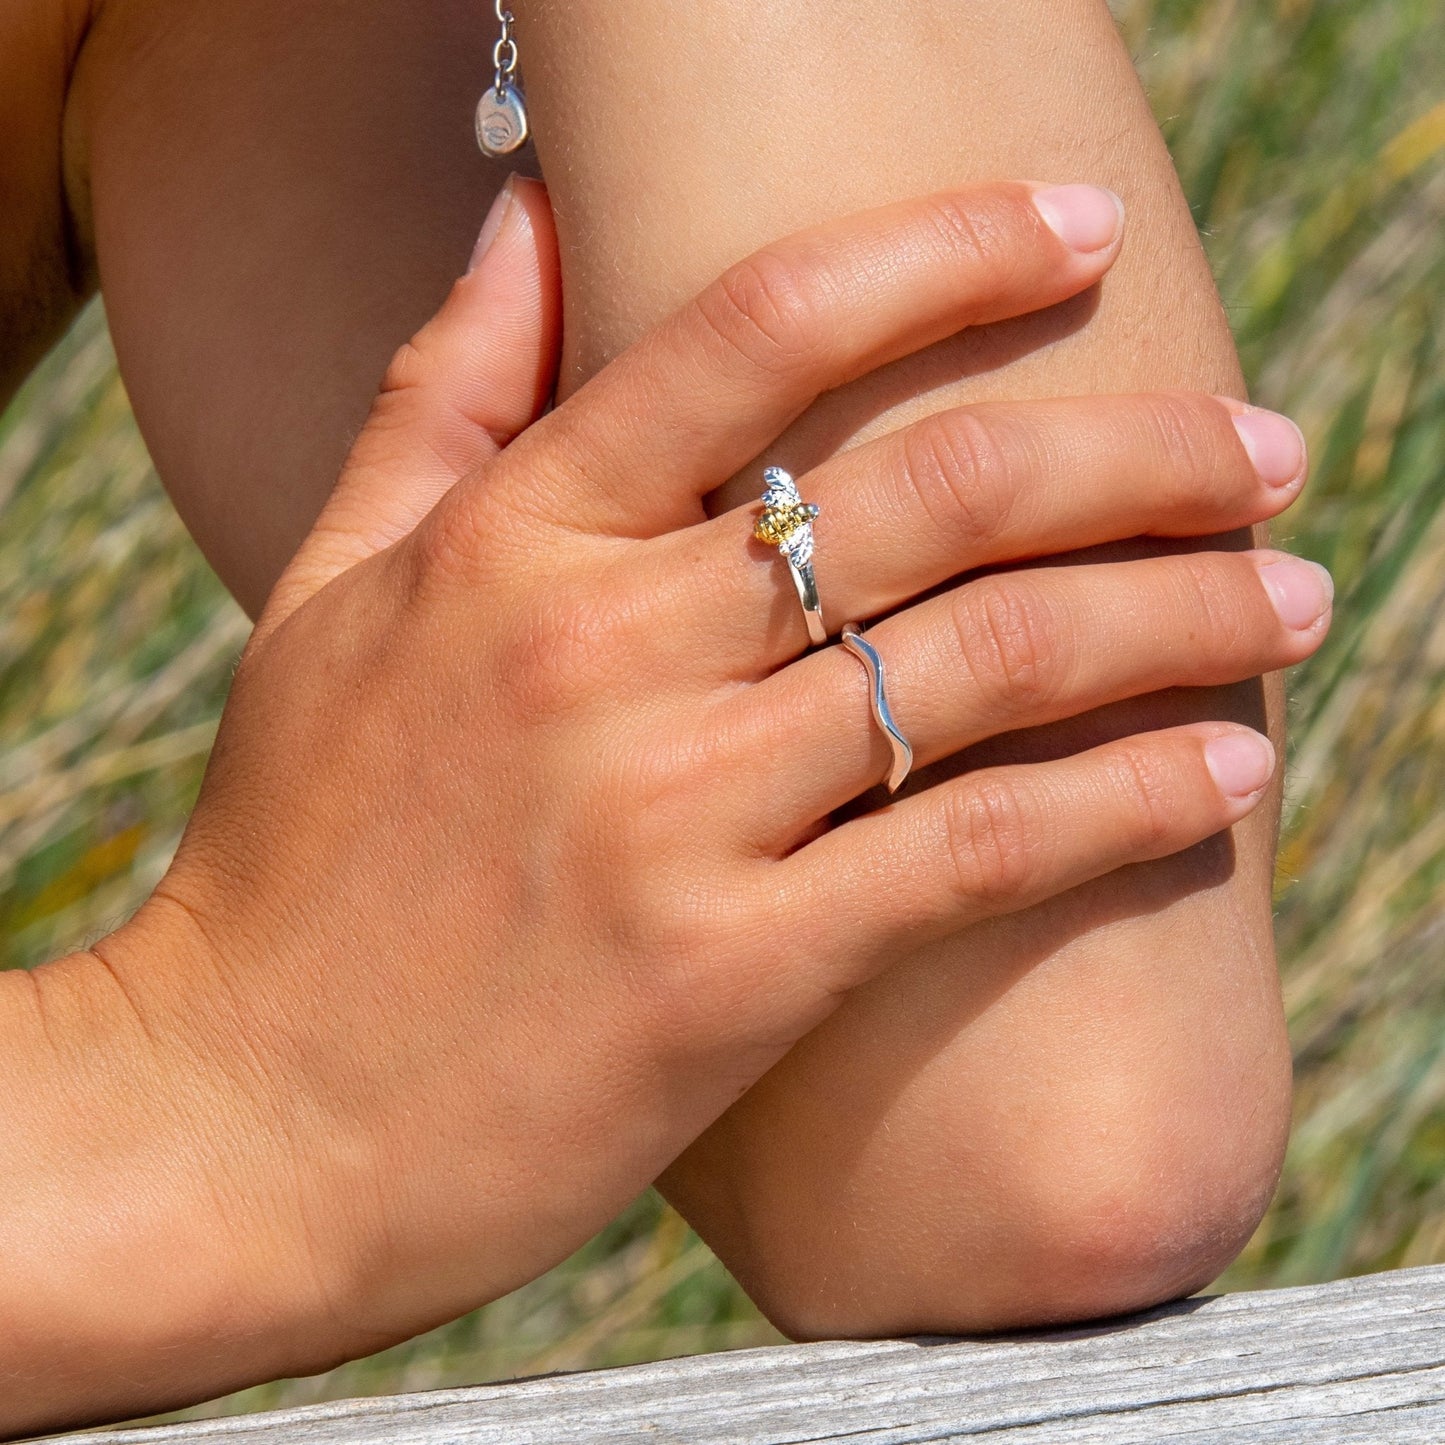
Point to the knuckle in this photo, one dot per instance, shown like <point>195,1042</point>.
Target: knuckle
<point>958,468</point>
<point>1005,638</point>
<point>542,681</point>
<point>768,310</point>
<point>665,788</point>
<point>691,930</point>
<point>992,841</point>
<point>696,971</point>
<point>969,235</point>
<point>1143,784</point>
<point>462,539</point>
<point>497,519</point>
<point>406,370</point>
<point>1182,430</point>
<point>1216,598</point>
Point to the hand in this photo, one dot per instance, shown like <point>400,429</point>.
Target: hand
<point>512,867</point>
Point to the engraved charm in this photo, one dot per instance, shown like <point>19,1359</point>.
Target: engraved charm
<point>501,121</point>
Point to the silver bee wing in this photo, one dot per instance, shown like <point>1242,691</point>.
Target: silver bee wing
<point>780,489</point>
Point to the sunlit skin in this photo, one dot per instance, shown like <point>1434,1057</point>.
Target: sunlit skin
<point>537,994</point>
<point>1051,1109</point>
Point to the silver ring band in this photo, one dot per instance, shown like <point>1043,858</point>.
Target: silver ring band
<point>807,586</point>
<point>787,524</point>
<point>867,654</point>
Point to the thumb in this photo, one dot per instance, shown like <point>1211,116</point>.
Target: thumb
<point>477,374</point>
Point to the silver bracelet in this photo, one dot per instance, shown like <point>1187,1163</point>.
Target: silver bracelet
<point>502,111</point>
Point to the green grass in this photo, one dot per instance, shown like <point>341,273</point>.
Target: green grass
<point>1311,138</point>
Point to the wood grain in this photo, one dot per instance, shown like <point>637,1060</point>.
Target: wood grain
<point>1359,1360</point>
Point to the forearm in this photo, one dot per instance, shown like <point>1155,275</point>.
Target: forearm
<point>1063,1113</point>
<point>137,1268</point>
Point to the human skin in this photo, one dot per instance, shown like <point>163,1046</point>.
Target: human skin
<point>535,993</point>
<point>1071,1112</point>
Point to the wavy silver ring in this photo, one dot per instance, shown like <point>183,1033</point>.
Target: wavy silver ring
<point>787,524</point>
<point>867,654</point>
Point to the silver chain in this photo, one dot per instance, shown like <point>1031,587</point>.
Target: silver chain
<point>504,52</point>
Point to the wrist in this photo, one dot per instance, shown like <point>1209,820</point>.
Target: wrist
<point>154,1250</point>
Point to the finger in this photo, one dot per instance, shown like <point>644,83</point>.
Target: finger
<point>706,390</point>
<point>978,486</point>
<point>1018,650</point>
<point>1001,839</point>
<point>477,374</point>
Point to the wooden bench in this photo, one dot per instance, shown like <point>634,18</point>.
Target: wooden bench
<point>1361,1360</point>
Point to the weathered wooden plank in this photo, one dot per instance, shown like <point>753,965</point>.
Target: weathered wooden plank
<point>1360,1360</point>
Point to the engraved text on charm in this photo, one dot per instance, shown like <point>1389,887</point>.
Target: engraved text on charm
<point>501,121</point>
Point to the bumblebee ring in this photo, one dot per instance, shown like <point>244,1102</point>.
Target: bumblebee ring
<point>867,654</point>
<point>787,524</point>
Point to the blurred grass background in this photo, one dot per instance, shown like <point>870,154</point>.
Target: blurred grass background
<point>1311,138</point>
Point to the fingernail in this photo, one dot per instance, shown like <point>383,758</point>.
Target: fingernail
<point>1300,591</point>
<point>1275,445</point>
<point>501,206</point>
<point>1241,763</point>
<point>1084,218</point>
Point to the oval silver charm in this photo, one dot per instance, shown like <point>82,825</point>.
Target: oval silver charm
<point>501,122</point>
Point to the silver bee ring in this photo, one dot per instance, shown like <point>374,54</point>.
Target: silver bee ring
<point>787,524</point>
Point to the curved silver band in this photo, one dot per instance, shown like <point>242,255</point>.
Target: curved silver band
<point>867,654</point>
<point>807,586</point>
